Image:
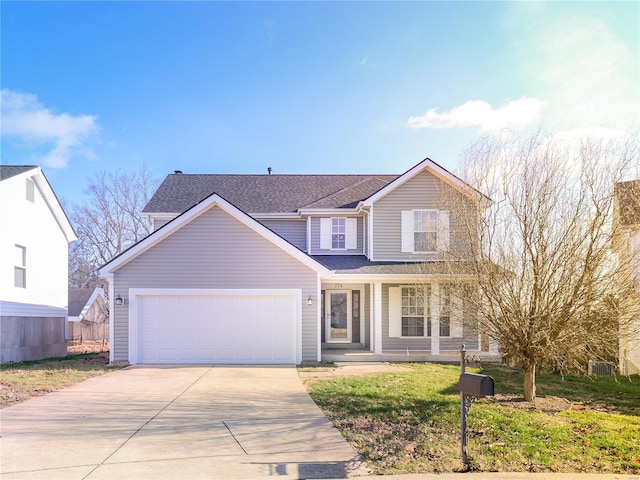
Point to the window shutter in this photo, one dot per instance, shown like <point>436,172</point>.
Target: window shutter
<point>407,231</point>
<point>352,233</point>
<point>395,312</point>
<point>443,230</point>
<point>325,233</point>
<point>456,315</point>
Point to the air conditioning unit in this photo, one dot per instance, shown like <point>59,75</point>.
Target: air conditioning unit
<point>597,367</point>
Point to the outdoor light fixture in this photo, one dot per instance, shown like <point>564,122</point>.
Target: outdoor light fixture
<point>119,300</point>
<point>309,301</point>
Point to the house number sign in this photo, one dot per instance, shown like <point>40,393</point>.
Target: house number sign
<point>337,285</point>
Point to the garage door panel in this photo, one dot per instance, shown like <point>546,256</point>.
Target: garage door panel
<point>216,328</point>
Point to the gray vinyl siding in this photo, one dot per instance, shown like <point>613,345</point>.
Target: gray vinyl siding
<point>315,239</point>
<point>423,191</point>
<point>213,251</point>
<point>294,231</point>
<point>470,336</point>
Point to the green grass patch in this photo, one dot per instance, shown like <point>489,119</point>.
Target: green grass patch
<point>20,381</point>
<point>409,422</point>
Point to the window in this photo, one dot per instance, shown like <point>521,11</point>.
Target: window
<point>415,312</point>
<point>338,233</point>
<point>30,190</point>
<point>425,231</point>
<point>20,269</point>
<point>445,312</point>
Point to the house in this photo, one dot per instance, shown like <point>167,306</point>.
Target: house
<point>88,315</point>
<point>35,234</point>
<point>282,268</point>
<point>626,244</point>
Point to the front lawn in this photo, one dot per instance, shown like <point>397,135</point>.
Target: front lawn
<point>20,381</point>
<point>409,421</point>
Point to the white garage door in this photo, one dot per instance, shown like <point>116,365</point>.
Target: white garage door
<point>215,328</point>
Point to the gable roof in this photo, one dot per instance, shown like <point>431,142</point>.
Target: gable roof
<point>34,172</point>
<point>211,201</point>
<point>8,171</point>
<point>262,194</point>
<point>265,193</point>
<point>439,172</point>
<point>81,299</point>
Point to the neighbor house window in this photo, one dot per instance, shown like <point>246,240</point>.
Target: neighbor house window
<point>20,269</point>
<point>415,311</point>
<point>445,312</point>
<point>31,187</point>
<point>338,233</point>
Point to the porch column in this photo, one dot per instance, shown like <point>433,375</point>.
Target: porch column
<point>372,323</point>
<point>377,317</point>
<point>435,319</point>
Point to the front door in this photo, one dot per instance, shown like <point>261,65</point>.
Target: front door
<point>338,312</point>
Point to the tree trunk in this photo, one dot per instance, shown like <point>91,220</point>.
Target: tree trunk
<point>530,383</point>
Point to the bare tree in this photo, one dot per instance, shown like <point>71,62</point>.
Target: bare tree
<point>109,221</point>
<point>544,276</point>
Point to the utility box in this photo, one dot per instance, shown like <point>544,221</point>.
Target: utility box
<point>476,385</point>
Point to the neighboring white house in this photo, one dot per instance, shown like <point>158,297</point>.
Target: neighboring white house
<point>34,238</point>
<point>627,246</point>
<point>288,268</point>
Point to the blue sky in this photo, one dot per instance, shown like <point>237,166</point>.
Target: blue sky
<point>303,87</point>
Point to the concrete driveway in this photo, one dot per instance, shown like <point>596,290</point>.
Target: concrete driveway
<point>175,422</point>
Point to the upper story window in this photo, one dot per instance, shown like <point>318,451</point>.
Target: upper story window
<point>31,189</point>
<point>425,231</point>
<point>20,269</point>
<point>339,233</point>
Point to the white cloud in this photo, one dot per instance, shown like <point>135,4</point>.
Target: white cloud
<point>515,115</point>
<point>63,135</point>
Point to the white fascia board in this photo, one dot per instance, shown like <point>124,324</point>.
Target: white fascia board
<point>54,205</point>
<point>396,278</point>
<point>438,171</point>
<point>340,212</point>
<point>50,198</point>
<point>275,216</point>
<point>18,309</point>
<point>159,215</point>
<point>196,211</point>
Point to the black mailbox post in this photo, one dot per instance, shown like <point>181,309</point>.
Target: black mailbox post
<point>471,385</point>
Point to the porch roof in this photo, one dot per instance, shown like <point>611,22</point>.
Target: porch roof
<point>360,265</point>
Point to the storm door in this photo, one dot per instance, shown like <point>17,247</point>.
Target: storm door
<point>338,312</point>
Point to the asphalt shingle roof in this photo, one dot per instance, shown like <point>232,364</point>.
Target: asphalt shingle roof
<point>8,171</point>
<point>78,298</point>
<point>265,193</point>
<point>359,264</point>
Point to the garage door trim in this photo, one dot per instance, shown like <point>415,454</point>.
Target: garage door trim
<point>136,293</point>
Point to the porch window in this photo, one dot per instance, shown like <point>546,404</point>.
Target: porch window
<point>445,312</point>
<point>415,312</point>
